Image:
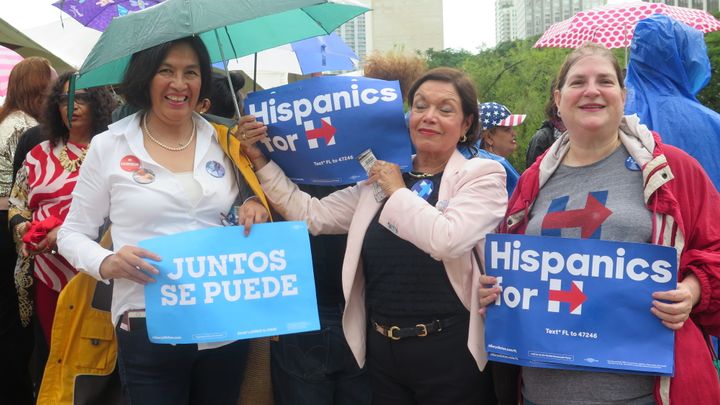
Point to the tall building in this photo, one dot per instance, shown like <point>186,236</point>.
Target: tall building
<point>505,25</point>
<point>403,25</point>
<point>711,6</point>
<point>354,33</point>
<point>533,17</point>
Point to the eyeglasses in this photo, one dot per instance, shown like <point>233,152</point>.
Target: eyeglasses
<point>80,98</point>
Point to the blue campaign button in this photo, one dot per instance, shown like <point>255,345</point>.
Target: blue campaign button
<point>631,164</point>
<point>423,188</point>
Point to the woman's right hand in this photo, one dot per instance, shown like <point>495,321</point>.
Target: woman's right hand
<point>249,132</point>
<point>488,292</point>
<point>128,263</point>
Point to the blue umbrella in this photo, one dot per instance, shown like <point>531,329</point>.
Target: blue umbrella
<point>97,14</point>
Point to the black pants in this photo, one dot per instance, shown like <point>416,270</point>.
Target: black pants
<point>159,374</point>
<point>16,342</point>
<point>434,369</point>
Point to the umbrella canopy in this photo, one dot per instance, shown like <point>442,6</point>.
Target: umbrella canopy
<point>613,25</point>
<point>316,54</point>
<point>98,14</point>
<point>8,59</point>
<point>229,28</point>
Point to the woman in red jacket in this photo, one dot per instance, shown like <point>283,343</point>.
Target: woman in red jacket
<point>656,194</point>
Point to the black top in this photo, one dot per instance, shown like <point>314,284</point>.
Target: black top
<point>401,281</point>
<point>328,252</point>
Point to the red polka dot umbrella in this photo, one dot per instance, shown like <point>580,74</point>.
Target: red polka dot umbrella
<point>613,25</point>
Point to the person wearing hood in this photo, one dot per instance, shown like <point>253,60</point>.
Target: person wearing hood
<point>664,95</point>
<point>654,193</point>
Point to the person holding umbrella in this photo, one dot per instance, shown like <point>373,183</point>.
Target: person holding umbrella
<point>410,273</point>
<point>655,193</point>
<point>157,172</point>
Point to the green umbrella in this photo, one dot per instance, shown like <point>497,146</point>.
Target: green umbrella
<point>229,28</point>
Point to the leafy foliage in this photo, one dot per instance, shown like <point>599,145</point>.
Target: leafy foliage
<point>519,76</point>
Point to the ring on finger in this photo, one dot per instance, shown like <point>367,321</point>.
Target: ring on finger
<point>244,136</point>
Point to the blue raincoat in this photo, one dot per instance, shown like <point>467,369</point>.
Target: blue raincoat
<point>668,66</point>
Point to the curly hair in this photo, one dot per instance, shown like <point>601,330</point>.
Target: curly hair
<point>100,106</point>
<point>27,84</point>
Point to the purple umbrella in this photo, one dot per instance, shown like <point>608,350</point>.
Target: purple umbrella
<point>97,14</point>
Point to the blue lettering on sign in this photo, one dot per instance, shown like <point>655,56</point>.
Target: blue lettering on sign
<point>316,127</point>
<point>579,299</point>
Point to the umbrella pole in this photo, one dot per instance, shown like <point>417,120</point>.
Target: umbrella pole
<point>255,72</point>
<point>227,74</point>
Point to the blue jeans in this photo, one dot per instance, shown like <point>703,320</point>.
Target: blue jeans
<point>318,367</point>
<point>180,374</point>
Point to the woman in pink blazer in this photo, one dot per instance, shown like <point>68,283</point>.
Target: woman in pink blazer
<point>410,276</point>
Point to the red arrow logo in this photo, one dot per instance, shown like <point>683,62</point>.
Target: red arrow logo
<point>588,219</point>
<point>575,297</point>
<point>326,131</point>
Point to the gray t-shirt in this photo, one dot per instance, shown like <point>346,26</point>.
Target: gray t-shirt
<point>616,183</point>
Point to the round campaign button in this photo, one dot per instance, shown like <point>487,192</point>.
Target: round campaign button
<point>130,163</point>
<point>143,176</point>
<point>631,164</point>
<point>423,188</point>
<point>216,169</point>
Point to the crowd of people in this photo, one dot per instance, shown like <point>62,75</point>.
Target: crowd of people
<point>400,289</point>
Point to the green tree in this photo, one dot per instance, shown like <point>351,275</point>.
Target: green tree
<point>710,95</point>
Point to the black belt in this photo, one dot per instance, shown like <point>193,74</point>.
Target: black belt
<point>419,330</point>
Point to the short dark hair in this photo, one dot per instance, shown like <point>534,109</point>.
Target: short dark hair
<point>101,103</point>
<point>143,66</point>
<point>221,95</point>
<point>465,89</point>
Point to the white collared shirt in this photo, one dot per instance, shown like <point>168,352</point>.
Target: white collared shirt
<point>140,207</point>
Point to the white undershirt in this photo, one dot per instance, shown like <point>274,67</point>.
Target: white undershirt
<point>191,186</point>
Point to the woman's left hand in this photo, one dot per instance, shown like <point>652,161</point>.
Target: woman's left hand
<point>252,212</point>
<point>387,175</point>
<point>678,303</point>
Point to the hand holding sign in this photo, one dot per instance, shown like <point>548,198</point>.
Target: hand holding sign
<point>488,293</point>
<point>249,132</point>
<point>128,263</point>
<point>674,313</point>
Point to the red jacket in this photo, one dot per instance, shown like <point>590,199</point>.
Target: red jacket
<point>684,203</point>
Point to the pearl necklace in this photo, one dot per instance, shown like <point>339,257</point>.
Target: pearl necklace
<point>71,165</point>
<point>162,145</point>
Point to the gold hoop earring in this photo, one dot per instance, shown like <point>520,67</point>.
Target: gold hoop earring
<point>463,139</point>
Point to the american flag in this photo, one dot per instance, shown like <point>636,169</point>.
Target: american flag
<point>494,114</point>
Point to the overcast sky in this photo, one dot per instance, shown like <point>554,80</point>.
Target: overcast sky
<point>468,24</point>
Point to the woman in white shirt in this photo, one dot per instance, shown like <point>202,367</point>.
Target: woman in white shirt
<point>157,172</point>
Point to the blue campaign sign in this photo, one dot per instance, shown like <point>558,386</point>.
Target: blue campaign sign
<point>317,127</point>
<point>216,284</point>
<point>579,303</point>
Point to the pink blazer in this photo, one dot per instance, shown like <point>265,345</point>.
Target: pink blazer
<point>471,202</point>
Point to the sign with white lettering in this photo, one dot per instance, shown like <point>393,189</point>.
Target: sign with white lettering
<point>216,284</point>
<point>579,303</point>
<point>317,127</point>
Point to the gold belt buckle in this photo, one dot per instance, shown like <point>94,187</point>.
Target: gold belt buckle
<point>390,333</point>
<point>423,331</point>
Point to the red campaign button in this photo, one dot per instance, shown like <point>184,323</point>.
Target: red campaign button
<point>130,163</point>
